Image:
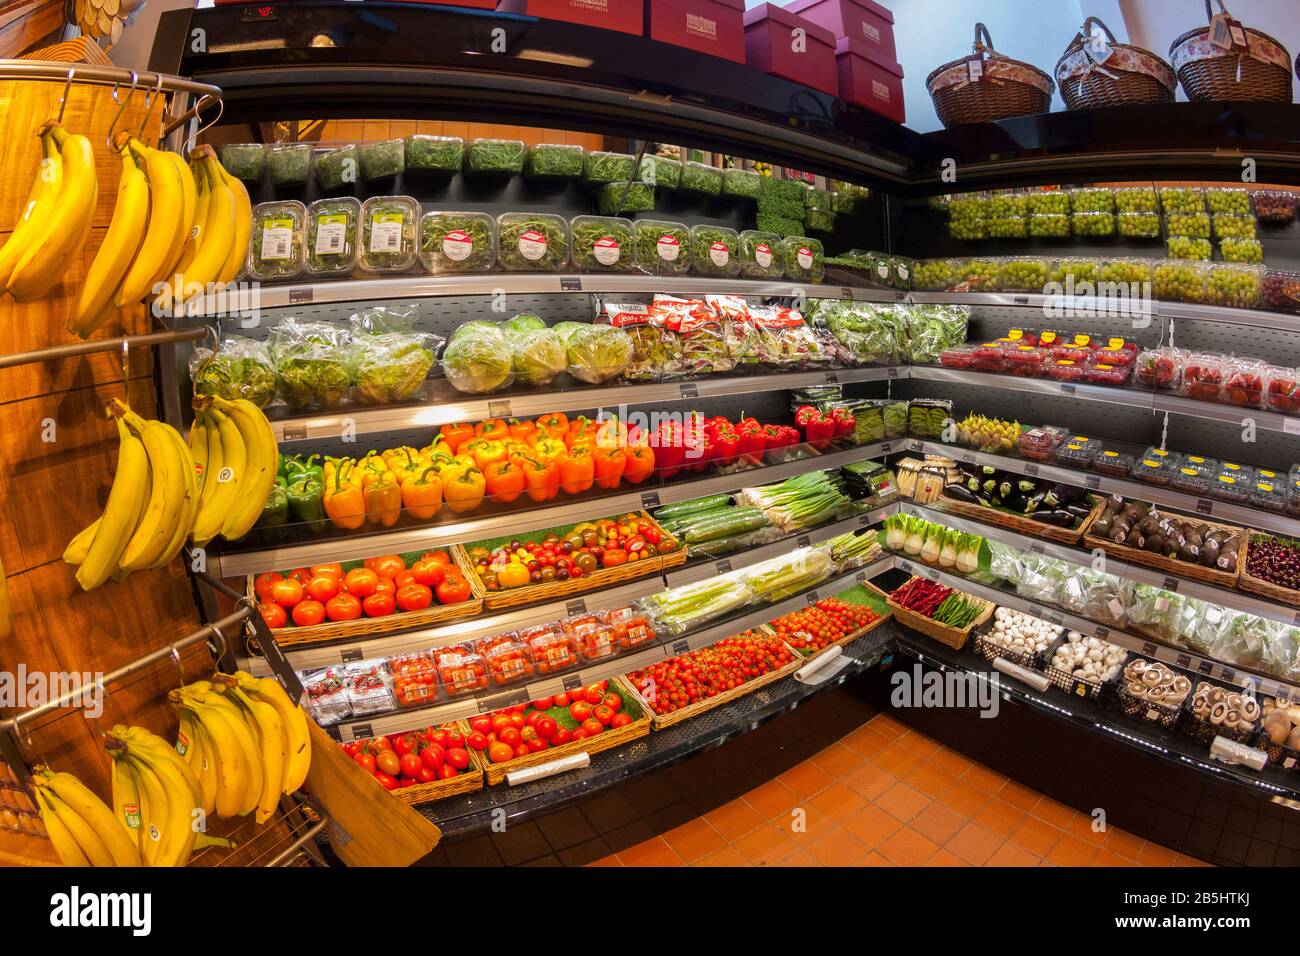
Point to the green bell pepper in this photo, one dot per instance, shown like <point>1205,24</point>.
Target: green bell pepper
<point>275,512</point>
<point>307,501</point>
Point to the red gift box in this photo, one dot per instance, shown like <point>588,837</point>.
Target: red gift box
<point>870,79</point>
<point>709,26</point>
<point>770,46</point>
<point>862,20</point>
<point>625,16</point>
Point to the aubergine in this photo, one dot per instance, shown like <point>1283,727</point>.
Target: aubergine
<point>1064,493</point>
<point>1035,502</point>
<point>962,493</point>
<point>1058,518</point>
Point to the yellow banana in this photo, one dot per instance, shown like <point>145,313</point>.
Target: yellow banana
<point>227,477</point>
<point>169,478</point>
<point>232,772</point>
<point>65,844</point>
<point>294,718</point>
<point>246,735</point>
<point>129,806</point>
<point>273,744</point>
<point>218,233</point>
<point>243,228</point>
<point>76,550</point>
<point>116,252</point>
<point>196,237</point>
<point>189,207</point>
<point>184,794</point>
<point>185,523</point>
<point>199,443</point>
<point>97,853</point>
<point>95,814</point>
<point>165,231</point>
<point>262,457</point>
<point>46,185</point>
<point>67,225</point>
<point>205,767</point>
<point>126,501</point>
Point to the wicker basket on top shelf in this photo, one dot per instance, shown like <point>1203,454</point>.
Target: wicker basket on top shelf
<point>1096,71</point>
<point>954,637</point>
<point>986,86</point>
<point>1252,65</point>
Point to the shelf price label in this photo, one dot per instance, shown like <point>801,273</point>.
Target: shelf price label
<point>1205,667</point>
<point>891,372</point>
<point>1148,649</point>
<point>1067,388</point>
<point>1171,584</point>
<point>803,541</point>
<point>297,296</point>
<point>572,682</point>
<point>811,598</point>
<point>689,390</point>
<point>575,607</point>
<point>1031,471</point>
<point>293,432</point>
<point>1037,548</point>
<point>832,378</point>
<point>723,566</point>
<point>649,499</point>
<point>1092,482</point>
<point>1183,661</point>
<point>571,284</point>
<point>499,409</point>
<point>361,731</point>
<point>681,647</point>
<point>886,447</point>
<point>1101,631</point>
<point>1204,506</point>
<point>350,654</point>
<point>846,292</point>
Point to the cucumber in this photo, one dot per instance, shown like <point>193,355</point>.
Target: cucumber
<point>694,506</point>
<point>731,522</point>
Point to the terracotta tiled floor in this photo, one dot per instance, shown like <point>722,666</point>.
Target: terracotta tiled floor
<point>885,795</point>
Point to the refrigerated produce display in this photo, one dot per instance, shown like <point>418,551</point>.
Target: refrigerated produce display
<point>430,460</point>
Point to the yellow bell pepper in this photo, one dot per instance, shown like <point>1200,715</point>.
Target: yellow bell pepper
<point>422,495</point>
<point>464,491</point>
<point>550,447</point>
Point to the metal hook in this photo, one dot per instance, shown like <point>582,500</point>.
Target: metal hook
<point>67,87</point>
<point>198,109</point>
<point>148,105</point>
<point>221,639</point>
<point>180,667</point>
<point>121,108</point>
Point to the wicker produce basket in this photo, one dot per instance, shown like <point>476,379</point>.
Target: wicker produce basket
<point>614,737</point>
<point>1096,71</point>
<point>1274,592</point>
<point>1019,523</point>
<point>1173,566</point>
<point>467,781</point>
<point>987,86</point>
<point>663,721</point>
<point>1252,65</point>
<point>953,637</point>
<point>553,590</point>
<point>884,612</point>
<point>1155,712</point>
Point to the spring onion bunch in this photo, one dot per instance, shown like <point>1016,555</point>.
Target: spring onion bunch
<point>800,502</point>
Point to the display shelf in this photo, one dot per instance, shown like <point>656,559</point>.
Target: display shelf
<point>442,405</point>
<point>354,546</point>
<point>1221,597</point>
<point>1176,657</point>
<point>1156,495</point>
<point>1093,714</point>
<point>1111,395</point>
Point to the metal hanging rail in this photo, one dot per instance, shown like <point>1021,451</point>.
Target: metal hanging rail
<point>121,343</point>
<point>101,76</point>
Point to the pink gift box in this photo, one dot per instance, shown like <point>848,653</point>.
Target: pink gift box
<point>869,79</point>
<point>862,20</point>
<point>716,27</point>
<point>625,16</point>
<point>770,46</point>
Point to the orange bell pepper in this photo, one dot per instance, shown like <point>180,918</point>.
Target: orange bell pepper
<point>492,428</point>
<point>640,464</point>
<point>556,424</point>
<point>456,435</point>
<point>383,498</point>
<point>550,448</point>
<point>541,478</point>
<point>580,428</point>
<point>522,430</point>
<point>422,495</point>
<point>505,481</point>
<point>344,502</point>
<point>370,469</point>
<point>609,466</point>
<point>409,467</point>
<point>463,490</point>
<point>486,452</point>
<point>611,433</point>
<point>577,470</point>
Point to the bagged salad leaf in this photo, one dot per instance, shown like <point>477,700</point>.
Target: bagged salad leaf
<point>596,353</point>
<point>244,160</point>
<point>240,368</point>
<point>930,329</point>
<point>554,161</point>
<point>662,248</point>
<point>701,331</point>
<point>742,339</point>
<point>537,352</point>
<point>532,242</point>
<point>434,155</point>
<point>869,332</point>
<point>314,363</point>
<point>478,358</point>
<point>393,359</point>
<point>495,157</point>
<point>453,242</point>
<point>656,352</point>
<point>787,340</point>
<point>602,244</point>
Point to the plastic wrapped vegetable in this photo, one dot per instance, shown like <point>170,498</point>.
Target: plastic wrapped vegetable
<point>532,242</point>
<point>276,246</point>
<point>392,358</point>
<point>382,160</point>
<point>457,242</point>
<point>314,363</point>
<point>761,255</point>
<point>803,259</point>
<point>478,359</point>
<point>660,171</point>
<point>742,339</point>
<point>244,160</point>
<point>740,182</point>
<point>699,178</point>
<point>931,329</point>
<point>787,341</point>
<point>602,167</point>
<point>495,157</point>
<point>336,167</point>
<point>714,251</point>
<point>332,236</point>
<point>614,199</point>
<point>434,155</point>
<point>388,233</point>
<point>656,351</point>
<point>537,352</point>
<point>240,368</point>
<point>870,332</point>
<point>554,161</point>
<point>596,353</point>
<point>702,335</point>
<point>662,248</point>
<point>289,163</point>
<point>602,244</point>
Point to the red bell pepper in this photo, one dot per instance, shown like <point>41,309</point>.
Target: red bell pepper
<point>844,420</point>
<point>669,448</point>
<point>818,430</point>
<point>753,440</point>
<point>727,443</point>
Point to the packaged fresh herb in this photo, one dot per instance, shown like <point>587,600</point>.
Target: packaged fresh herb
<point>332,236</point>
<point>457,242</point>
<point>699,178</point>
<point>900,272</point>
<point>820,220</point>
<point>435,155</point>
<point>551,161</point>
<point>336,167</point>
<point>844,202</point>
<point>818,199</point>
<point>803,259</point>
<point>615,198</point>
<point>760,255</point>
<point>660,171</point>
<point>532,242</point>
<point>290,163</point>
<point>714,251</point>
<point>662,248</point>
<point>382,160</point>
<point>603,167</point>
<point>244,160</point>
<point>388,230</point>
<point>495,157</point>
<point>780,206</point>
<point>740,182</point>
<point>602,244</point>
<point>275,247</point>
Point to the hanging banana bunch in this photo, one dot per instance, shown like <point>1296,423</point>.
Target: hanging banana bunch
<point>80,826</point>
<point>56,220</point>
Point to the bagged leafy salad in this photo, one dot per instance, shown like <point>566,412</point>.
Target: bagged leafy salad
<point>930,329</point>
<point>596,353</point>
<point>478,358</point>
<point>275,248</point>
<point>662,248</point>
<point>701,332</point>
<point>314,363</point>
<point>743,341</point>
<point>761,255</point>
<point>393,359</point>
<point>787,340</point>
<point>457,242</point>
<point>434,155</point>
<point>532,242</point>
<point>656,351</point>
<point>602,244</point>
<point>537,352</point>
<point>240,368</point>
<point>332,236</point>
<point>714,251</point>
<point>554,161</point>
<point>388,233</point>
<point>869,332</point>
<point>495,157</point>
